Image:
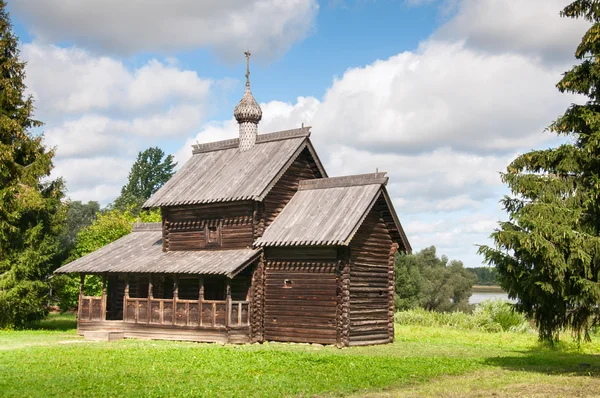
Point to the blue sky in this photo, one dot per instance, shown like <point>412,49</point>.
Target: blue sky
<point>440,94</point>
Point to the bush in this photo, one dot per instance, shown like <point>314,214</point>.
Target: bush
<point>500,315</point>
<point>489,316</point>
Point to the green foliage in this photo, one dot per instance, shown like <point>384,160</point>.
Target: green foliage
<point>31,212</point>
<point>426,281</point>
<point>548,254</point>
<point>79,215</point>
<point>489,316</point>
<point>106,228</point>
<point>149,172</point>
<point>486,276</point>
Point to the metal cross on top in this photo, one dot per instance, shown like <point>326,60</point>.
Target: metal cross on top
<point>247,53</point>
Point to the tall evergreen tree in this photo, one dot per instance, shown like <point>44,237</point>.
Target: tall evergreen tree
<point>31,213</point>
<point>548,254</point>
<point>149,172</point>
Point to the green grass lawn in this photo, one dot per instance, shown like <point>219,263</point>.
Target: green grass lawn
<point>424,361</point>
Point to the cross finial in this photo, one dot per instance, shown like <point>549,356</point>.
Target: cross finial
<point>247,54</point>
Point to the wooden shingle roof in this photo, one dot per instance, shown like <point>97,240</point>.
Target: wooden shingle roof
<point>141,251</point>
<point>220,172</point>
<point>329,211</point>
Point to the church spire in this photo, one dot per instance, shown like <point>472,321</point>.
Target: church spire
<point>247,113</point>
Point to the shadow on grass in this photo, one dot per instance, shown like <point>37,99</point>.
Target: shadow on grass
<point>551,362</point>
<point>55,321</point>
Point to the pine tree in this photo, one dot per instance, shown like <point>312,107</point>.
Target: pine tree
<point>31,213</point>
<point>149,172</point>
<point>548,254</point>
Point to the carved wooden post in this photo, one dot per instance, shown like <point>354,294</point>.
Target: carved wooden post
<point>175,297</point>
<point>81,291</point>
<point>125,297</point>
<point>200,298</point>
<point>228,301</point>
<point>103,300</point>
<point>150,297</point>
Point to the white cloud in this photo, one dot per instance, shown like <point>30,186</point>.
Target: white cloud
<point>531,27</point>
<point>442,120</point>
<point>269,27</point>
<point>73,81</point>
<point>100,113</point>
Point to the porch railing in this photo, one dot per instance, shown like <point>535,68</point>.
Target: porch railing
<point>91,308</point>
<point>194,313</point>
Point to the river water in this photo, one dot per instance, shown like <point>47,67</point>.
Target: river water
<point>477,298</point>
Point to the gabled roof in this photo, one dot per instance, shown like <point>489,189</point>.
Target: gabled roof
<point>220,172</point>
<point>141,251</point>
<point>329,211</point>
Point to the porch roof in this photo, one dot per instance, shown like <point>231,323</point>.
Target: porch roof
<point>141,252</point>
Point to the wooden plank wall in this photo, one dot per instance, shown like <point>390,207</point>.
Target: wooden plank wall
<point>183,226</point>
<point>371,282</point>
<point>303,168</point>
<point>300,295</point>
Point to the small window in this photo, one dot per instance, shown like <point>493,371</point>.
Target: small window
<point>212,235</point>
<point>287,283</point>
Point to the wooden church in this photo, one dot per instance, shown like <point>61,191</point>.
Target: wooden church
<point>256,243</point>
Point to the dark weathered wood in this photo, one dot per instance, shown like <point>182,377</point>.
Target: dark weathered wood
<point>81,293</point>
<point>186,227</point>
<point>300,300</point>
<point>257,300</point>
<point>371,288</point>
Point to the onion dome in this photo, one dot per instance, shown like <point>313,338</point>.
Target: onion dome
<point>247,110</point>
<point>248,114</point>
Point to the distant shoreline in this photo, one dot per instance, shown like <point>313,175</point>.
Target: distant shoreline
<point>487,289</point>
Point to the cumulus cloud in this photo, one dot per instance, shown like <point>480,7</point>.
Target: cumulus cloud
<point>527,27</point>
<point>269,27</point>
<point>73,81</point>
<point>442,120</point>
<point>99,112</point>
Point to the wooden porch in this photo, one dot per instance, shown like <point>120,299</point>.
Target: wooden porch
<point>202,320</point>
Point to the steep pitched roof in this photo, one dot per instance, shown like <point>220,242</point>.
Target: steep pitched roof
<point>329,211</point>
<point>220,172</point>
<point>141,251</point>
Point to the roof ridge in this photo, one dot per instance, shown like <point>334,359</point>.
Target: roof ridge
<point>146,226</point>
<point>378,178</point>
<point>260,138</point>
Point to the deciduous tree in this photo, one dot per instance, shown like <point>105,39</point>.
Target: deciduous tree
<point>149,172</point>
<point>427,281</point>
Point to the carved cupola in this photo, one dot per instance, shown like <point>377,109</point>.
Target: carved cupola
<point>247,113</point>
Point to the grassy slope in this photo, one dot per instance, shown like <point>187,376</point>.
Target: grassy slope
<point>422,361</point>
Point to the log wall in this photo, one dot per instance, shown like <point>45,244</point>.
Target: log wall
<point>371,286</point>
<point>303,168</point>
<point>185,227</point>
<point>300,295</point>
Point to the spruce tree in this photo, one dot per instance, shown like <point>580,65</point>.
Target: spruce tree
<point>548,254</point>
<point>31,212</point>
